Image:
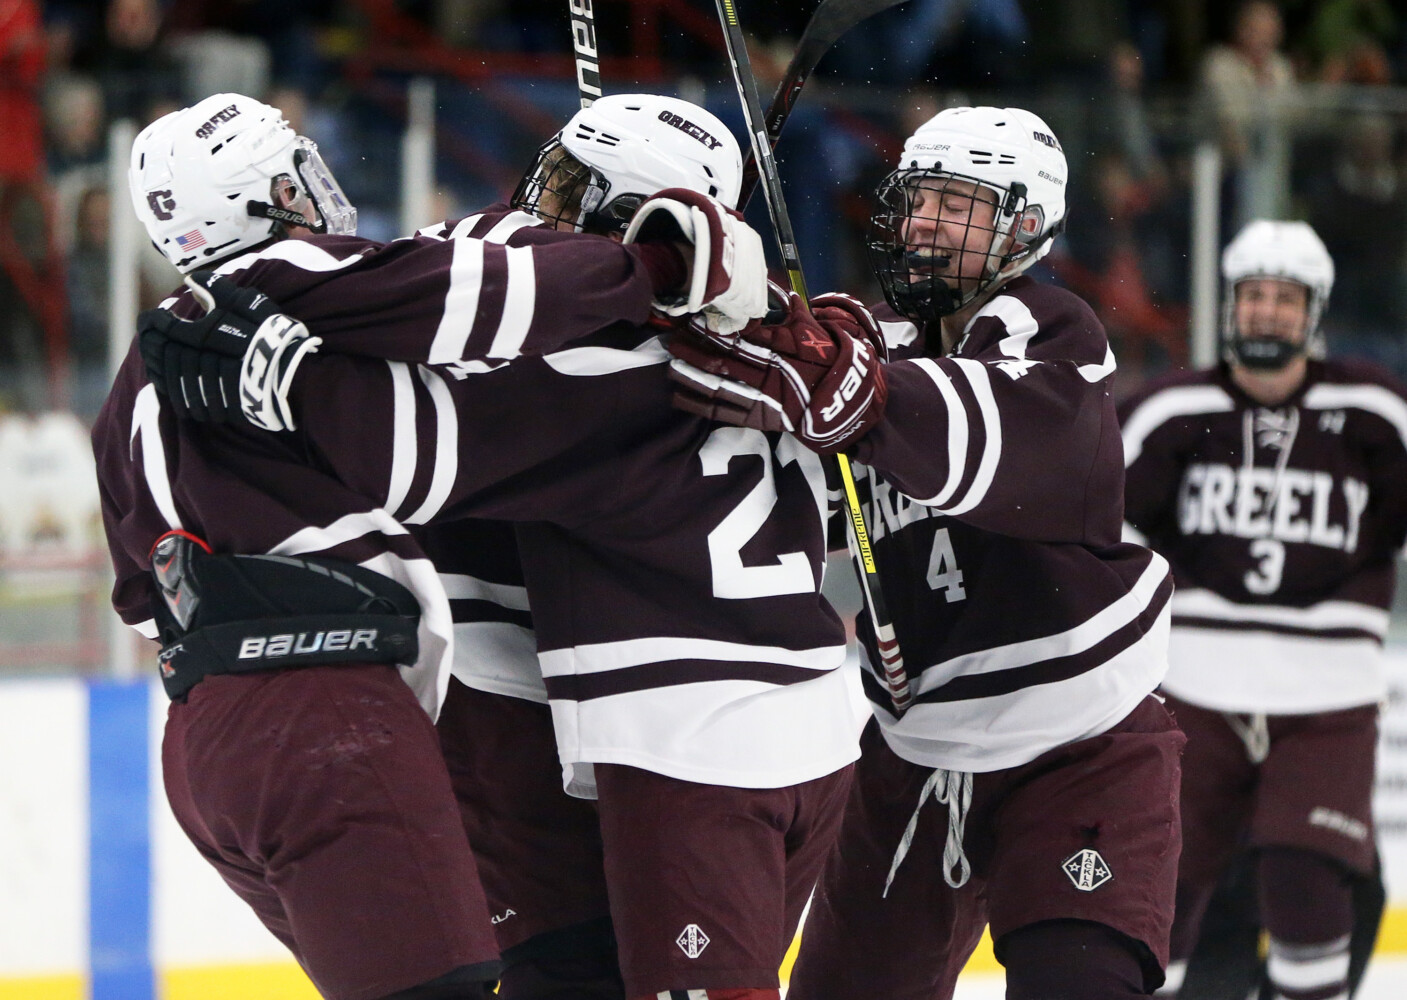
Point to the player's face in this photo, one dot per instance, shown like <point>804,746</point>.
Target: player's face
<point>1271,307</point>
<point>286,194</point>
<point>950,222</point>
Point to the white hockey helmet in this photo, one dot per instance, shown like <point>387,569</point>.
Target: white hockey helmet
<point>625,147</point>
<point>202,180</point>
<point>1288,251</point>
<point>1009,151</point>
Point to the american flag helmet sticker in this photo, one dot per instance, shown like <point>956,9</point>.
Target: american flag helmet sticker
<point>190,240</point>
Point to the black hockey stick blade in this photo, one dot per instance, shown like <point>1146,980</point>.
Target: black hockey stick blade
<point>831,19</point>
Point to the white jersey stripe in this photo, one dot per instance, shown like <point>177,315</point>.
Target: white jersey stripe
<point>976,373</point>
<point>504,229</point>
<point>957,430</point>
<point>147,629</point>
<point>599,657</point>
<point>1158,409</point>
<point>898,334</point>
<point>446,467</point>
<point>146,424</point>
<point>1372,398</point>
<point>1132,534</point>
<point>607,360</point>
<point>1007,730</point>
<point>1275,673</point>
<point>1083,636</point>
<point>466,279</point>
<point>1093,373</point>
<point>300,253</point>
<point>520,301</point>
<point>465,226</point>
<point>403,450</point>
<point>1200,603</point>
<point>462,587</point>
<point>1020,325</point>
<point>314,539</point>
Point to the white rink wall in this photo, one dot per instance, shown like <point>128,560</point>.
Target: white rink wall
<point>101,895</point>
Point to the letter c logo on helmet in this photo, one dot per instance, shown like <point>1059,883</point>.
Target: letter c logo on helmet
<point>162,205</point>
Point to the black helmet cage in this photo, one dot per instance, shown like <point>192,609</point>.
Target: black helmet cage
<point>907,272</point>
<point>1271,353</point>
<point>558,188</point>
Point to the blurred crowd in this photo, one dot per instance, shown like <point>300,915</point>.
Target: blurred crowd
<point>1304,100</point>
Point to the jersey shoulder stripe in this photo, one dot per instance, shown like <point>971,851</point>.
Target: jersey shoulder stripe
<point>1169,404</point>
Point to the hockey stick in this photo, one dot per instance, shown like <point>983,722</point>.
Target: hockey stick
<point>830,20</point>
<point>588,60</point>
<point>892,660</point>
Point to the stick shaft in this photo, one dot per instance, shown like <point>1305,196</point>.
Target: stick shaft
<point>588,60</point>
<point>892,664</point>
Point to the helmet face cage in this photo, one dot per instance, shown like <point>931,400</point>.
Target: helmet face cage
<point>567,194</point>
<point>1272,353</point>
<point>910,266</point>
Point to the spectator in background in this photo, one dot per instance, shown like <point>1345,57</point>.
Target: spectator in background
<point>1348,41</point>
<point>87,301</point>
<point>75,125</point>
<point>1358,205</point>
<point>23,225</point>
<point>127,59</point>
<point>1248,84</point>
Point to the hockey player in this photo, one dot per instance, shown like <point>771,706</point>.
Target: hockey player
<point>1276,485</point>
<point>1018,770</point>
<point>285,594</point>
<point>673,568</point>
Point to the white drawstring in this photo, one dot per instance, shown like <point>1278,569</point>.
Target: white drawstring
<point>953,789</point>
<point>1254,732</point>
<point>1271,435</point>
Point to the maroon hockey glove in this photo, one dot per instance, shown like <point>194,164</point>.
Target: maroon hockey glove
<point>818,375</point>
<point>727,266</point>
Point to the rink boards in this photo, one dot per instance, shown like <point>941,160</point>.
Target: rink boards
<point>103,897</point>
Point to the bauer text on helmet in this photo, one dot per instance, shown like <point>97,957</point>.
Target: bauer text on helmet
<point>224,176</point>
<point>1268,268</point>
<point>593,175</point>
<point>977,197</point>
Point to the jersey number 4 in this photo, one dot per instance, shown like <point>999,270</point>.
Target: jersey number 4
<point>943,572</point>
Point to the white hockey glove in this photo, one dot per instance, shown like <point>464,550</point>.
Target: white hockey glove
<point>279,345</point>
<point>235,363</point>
<point>727,280</point>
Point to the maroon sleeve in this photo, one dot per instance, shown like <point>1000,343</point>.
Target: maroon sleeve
<point>492,286</point>
<point>1016,432</point>
<point>1154,466</point>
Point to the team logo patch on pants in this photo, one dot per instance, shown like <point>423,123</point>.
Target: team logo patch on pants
<point>692,940</point>
<point>1087,870</point>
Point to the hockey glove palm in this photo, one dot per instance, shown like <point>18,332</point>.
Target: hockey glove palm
<point>235,363</point>
<point>818,375</point>
<point>727,266</point>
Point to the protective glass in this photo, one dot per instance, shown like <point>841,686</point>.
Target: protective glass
<point>336,215</point>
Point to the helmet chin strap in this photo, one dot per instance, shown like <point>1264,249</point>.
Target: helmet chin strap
<point>263,210</point>
<point>1265,353</point>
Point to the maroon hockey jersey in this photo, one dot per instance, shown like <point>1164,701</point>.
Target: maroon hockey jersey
<point>995,489</point>
<point>673,567</point>
<point>1282,525</point>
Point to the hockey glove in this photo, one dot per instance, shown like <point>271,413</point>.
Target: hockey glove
<point>818,375</point>
<point>727,280</point>
<point>236,362</point>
